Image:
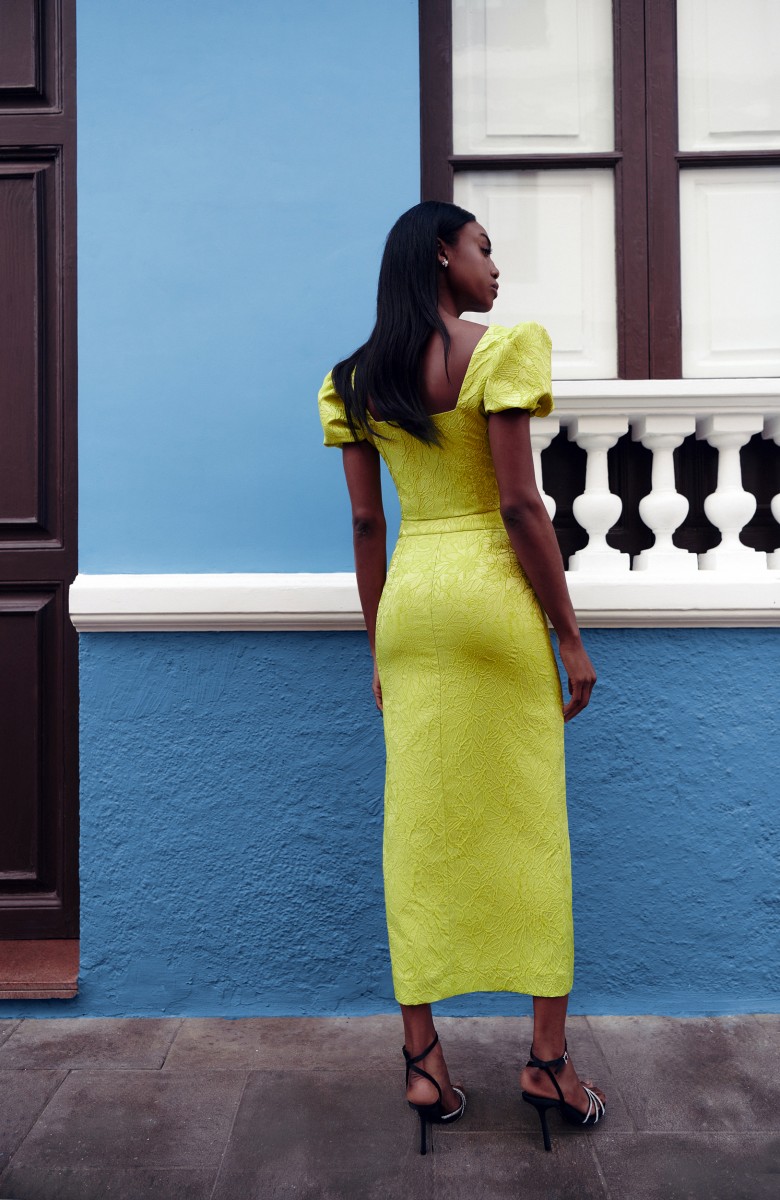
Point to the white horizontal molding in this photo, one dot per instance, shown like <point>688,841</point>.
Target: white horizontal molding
<point>662,397</point>
<point>216,603</point>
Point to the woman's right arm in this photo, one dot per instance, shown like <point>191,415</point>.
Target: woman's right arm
<point>369,534</point>
<point>534,542</point>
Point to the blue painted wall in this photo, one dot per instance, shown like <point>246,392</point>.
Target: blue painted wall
<point>240,165</point>
<point>231,827</point>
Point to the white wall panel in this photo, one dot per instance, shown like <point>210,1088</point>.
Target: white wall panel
<point>729,83</point>
<point>532,77</point>
<point>730,263</point>
<point>554,240</point>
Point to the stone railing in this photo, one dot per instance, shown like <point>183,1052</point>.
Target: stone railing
<point>728,585</point>
<point>596,416</point>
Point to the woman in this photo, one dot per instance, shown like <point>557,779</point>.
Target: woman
<point>476,852</point>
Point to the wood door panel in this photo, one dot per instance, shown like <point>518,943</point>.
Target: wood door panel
<point>30,383</point>
<point>29,50</point>
<point>22,622</point>
<point>32,627</point>
<point>19,40</point>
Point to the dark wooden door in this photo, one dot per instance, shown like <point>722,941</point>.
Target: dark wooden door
<point>38,649</point>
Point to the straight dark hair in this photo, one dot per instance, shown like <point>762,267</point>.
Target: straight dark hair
<point>386,368</point>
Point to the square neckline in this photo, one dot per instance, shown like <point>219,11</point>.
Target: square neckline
<point>445,412</point>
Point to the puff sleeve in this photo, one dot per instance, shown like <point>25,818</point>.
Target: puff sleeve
<point>334,418</point>
<point>520,375</point>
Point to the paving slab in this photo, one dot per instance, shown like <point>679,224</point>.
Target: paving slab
<point>323,1134</point>
<point>694,1075</point>
<point>485,1166</point>
<point>134,1119</point>
<point>23,1097</point>
<point>289,1043</point>
<point>90,1043</point>
<point>6,1029</point>
<point>33,1183</point>
<point>770,1019</point>
<point>689,1166</point>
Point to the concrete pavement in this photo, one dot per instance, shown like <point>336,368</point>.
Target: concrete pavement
<point>255,1109</point>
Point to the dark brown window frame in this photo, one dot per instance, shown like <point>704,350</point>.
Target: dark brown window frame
<point>646,164</point>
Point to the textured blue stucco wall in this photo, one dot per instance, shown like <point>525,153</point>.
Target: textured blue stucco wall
<point>231,827</point>
<point>239,166</point>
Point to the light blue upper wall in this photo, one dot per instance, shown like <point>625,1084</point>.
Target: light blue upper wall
<point>240,165</point>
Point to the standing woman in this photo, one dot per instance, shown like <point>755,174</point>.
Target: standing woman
<point>476,849</point>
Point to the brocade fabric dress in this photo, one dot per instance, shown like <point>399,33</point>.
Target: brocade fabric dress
<point>476,849</point>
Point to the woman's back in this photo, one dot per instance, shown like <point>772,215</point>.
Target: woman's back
<point>507,368</point>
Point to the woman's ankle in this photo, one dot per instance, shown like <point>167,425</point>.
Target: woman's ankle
<point>548,1051</point>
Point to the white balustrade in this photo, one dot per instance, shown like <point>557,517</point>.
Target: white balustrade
<point>730,587</point>
<point>730,507</point>
<point>597,509</point>
<point>664,509</point>
<point>542,433</point>
<point>772,430</point>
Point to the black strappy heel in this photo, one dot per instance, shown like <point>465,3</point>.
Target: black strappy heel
<point>596,1106</point>
<point>431,1113</point>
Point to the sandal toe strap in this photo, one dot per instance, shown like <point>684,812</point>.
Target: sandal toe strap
<point>596,1107</point>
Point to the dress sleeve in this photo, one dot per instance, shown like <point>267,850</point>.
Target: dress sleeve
<point>520,375</point>
<point>334,417</point>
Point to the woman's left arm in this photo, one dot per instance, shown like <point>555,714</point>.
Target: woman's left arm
<point>369,532</point>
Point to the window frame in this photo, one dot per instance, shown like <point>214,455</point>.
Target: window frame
<point>646,163</point>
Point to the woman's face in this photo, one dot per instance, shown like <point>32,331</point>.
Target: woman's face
<point>471,274</point>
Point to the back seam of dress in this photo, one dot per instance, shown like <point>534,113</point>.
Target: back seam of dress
<point>441,739</point>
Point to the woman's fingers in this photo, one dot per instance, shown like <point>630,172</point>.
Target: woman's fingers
<point>580,690</point>
<point>376,688</point>
<point>580,675</point>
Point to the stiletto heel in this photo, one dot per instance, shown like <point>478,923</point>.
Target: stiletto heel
<point>432,1114</point>
<point>575,1116</point>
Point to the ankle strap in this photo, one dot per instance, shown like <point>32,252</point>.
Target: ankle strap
<point>550,1066</point>
<point>419,1057</point>
<point>410,1065</point>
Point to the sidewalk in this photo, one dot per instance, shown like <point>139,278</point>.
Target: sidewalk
<point>209,1109</point>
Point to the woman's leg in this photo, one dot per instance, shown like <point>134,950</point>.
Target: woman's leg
<point>549,1041</point>
<point>419,1032</point>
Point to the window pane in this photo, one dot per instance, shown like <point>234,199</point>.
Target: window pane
<point>554,238</point>
<point>729,84</point>
<point>730,246</point>
<point>532,77</point>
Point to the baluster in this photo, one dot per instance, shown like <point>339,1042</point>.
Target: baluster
<point>597,509</point>
<point>772,430</point>
<point>664,509</point>
<point>542,433</point>
<point>730,507</point>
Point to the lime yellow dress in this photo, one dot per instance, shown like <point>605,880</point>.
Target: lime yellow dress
<point>476,847</point>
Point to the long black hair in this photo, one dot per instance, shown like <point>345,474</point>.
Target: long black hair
<point>387,367</point>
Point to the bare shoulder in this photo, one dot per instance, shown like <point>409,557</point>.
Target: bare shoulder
<point>467,333</point>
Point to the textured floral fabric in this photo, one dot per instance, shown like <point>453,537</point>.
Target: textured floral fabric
<point>476,848</point>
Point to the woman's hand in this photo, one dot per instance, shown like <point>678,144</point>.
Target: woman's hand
<point>376,688</point>
<point>582,676</point>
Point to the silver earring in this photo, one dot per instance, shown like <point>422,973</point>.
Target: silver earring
<point>445,262</point>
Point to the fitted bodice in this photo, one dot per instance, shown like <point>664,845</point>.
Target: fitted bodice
<point>509,368</point>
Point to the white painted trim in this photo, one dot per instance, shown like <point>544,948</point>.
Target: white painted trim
<point>172,603</point>
<point>643,397</point>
